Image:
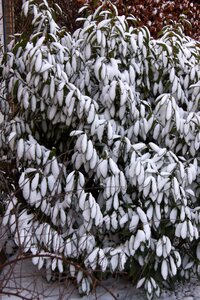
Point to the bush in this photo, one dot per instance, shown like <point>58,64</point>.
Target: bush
<point>67,18</point>
<point>104,142</point>
<point>155,14</point>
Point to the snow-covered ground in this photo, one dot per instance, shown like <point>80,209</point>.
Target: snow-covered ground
<point>32,283</point>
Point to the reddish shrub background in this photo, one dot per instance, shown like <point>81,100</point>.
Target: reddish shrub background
<point>152,13</point>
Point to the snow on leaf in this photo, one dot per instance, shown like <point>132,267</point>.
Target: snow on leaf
<point>142,215</point>
<point>139,238</point>
<point>113,166</point>
<point>38,63</point>
<point>103,167</point>
<point>114,262</point>
<point>140,283</point>
<point>43,187</point>
<point>183,232</point>
<point>26,189</point>
<point>134,222</point>
<point>34,182</point>
<point>51,182</point>
<point>164,269</point>
<point>173,215</point>
<point>55,167</point>
<point>159,248</point>
<point>20,149</point>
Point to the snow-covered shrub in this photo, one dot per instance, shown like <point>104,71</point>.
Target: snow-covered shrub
<point>105,137</point>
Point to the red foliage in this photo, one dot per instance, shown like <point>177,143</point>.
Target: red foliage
<point>157,13</point>
<point>153,13</point>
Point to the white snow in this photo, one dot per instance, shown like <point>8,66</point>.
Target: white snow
<point>25,277</point>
